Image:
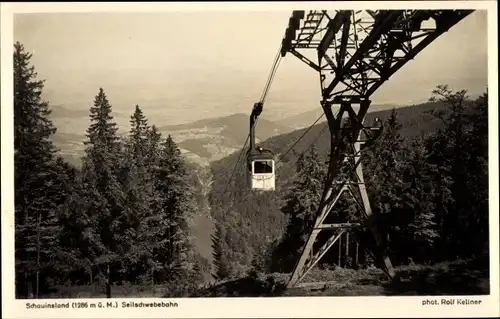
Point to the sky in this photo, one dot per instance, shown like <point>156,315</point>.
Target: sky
<point>184,66</point>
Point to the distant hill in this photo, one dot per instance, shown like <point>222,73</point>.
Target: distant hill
<point>215,138</point>
<point>201,142</point>
<point>307,118</point>
<point>209,140</point>
<point>59,111</point>
<point>70,146</point>
<point>233,127</point>
<point>414,119</point>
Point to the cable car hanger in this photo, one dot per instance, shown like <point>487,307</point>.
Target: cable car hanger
<point>260,162</point>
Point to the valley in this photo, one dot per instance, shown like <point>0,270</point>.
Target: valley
<point>202,142</point>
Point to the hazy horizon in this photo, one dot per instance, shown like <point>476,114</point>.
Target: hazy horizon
<point>182,67</point>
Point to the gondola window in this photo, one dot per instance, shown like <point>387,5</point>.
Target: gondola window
<point>263,167</point>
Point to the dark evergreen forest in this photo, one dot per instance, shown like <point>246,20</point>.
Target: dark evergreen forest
<point>122,219</point>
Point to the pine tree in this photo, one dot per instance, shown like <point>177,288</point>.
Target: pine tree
<point>418,221</point>
<point>101,134</point>
<point>449,155</point>
<point>439,170</point>
<point>221,262</point>
<point>151,227</point>
<point>35,213</point>
<point>477,145</point>
<point>153,147</point>
<point>463,158</point>
<point>134,217</point>
<point>385,161</point>
<point>100,165</point>
<point>139,164</point>
<point>241,238</point>
<point>301,205</point>
<point>78,239</point>
<point>233,242</point>
<point>176,204</point>
<point>138,133</point>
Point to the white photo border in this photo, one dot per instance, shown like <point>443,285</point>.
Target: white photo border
<point>271,307</point>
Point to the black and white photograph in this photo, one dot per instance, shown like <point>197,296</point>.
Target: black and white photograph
<point>300,151</point>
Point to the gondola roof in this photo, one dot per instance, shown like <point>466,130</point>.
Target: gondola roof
<point>262,154</point>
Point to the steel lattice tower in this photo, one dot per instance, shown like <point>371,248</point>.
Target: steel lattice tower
<point>355,53</point>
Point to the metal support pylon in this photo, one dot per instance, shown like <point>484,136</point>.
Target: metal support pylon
<point>355,52</point>
<point>345,176</point>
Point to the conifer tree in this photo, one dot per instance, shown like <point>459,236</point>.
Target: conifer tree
<point>138,133</point>
<point>153,146</point>
<point>233,241</point>
<point>240,238</point>
<point>100,166</point>
<point>477,144</point>
<point>78,238</point>
<point>102,138</point>
<point>151,227</point>
<point>138,188</point>
<point>417,220</point>
<point>463,136</point>
<point>385,161</point>
<point>176,205</point>
<point>220,250</point>
<point>134,217</point>
<point>447,156</point>
<point>301,205</point>
<point>35,213</point>
<point>439,170</point>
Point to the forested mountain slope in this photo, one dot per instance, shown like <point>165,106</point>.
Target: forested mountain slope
<point>251,227</point>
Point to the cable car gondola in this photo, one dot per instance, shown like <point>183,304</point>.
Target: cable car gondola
<point>261,169</point>
<point>260,162</point>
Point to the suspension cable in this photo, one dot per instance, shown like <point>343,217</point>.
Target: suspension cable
<point>305,132</point>
<point>270,78</point>
<point>312,143</point>
<point>269,81</point>
<point>236,165</point>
